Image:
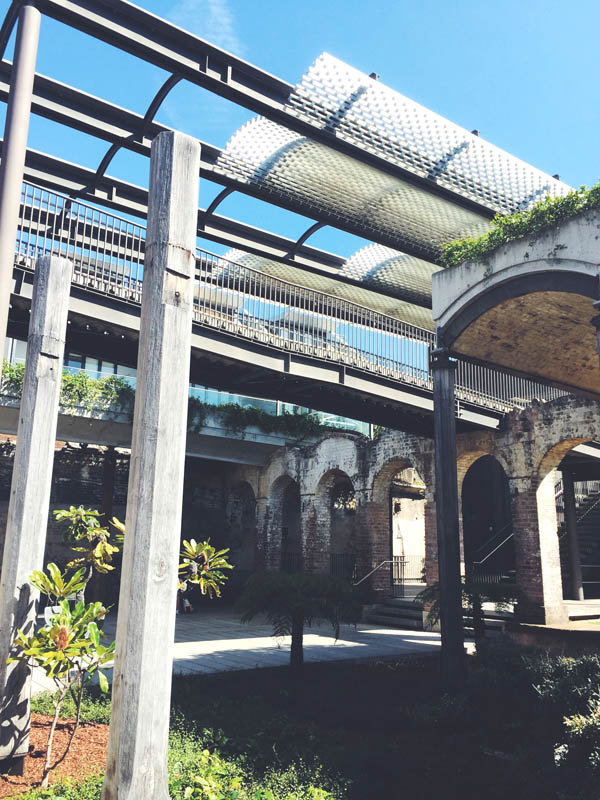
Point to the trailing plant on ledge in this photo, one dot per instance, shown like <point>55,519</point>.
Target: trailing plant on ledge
<point>541,217</point>
<point>236,419</point>
<point>114,393</point>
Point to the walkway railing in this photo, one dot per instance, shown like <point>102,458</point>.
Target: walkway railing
<point>108,256</point>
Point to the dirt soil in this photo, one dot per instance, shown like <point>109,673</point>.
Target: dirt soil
<point>86,757</point>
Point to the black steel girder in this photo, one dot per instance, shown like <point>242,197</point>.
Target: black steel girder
<point>152,39</point>
<point>99,118</point>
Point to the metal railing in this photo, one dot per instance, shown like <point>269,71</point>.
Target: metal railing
<point>342,565</point>
<point>108,256</point>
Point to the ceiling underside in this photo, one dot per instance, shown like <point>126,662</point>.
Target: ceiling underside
<point>545,334</point>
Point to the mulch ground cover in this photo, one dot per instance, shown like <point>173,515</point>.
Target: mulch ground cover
<point>86,756</point>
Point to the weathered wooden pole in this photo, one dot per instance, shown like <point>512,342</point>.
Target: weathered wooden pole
<point>14,148</point>
<point>571,526</point>
<point>137,747</point>
<point>446,506</point>
<point>30,495</point>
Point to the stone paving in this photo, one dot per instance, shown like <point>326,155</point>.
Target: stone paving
<point>216,641</point>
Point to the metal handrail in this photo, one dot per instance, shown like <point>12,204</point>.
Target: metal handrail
<point>368,575</point>
<point>495,550</point>
<point>493,536</point>
<point>108,256</point>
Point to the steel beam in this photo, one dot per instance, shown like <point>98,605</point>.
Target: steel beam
<point>152,39</point>
<point>126,129</point>
<point>127,198</point>
<point>14,149</point>
<point>453,663</point>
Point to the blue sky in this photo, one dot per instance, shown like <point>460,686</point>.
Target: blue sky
<point>524,72</point>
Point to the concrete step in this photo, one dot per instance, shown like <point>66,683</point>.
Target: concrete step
<point>396,622</point>
<point>398,613</point>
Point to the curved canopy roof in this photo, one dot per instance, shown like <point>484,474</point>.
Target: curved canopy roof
<point>357,196</point>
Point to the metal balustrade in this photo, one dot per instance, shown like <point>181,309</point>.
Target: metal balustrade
<point>108,257</point>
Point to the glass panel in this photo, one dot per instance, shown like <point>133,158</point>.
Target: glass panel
<point>74,360</point>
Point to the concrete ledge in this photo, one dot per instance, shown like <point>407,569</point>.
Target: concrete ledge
<point>571,639</point>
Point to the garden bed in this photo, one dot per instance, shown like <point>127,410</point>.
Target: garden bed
<point>86,756</point>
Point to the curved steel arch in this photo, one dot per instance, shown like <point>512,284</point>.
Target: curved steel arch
<point>307,233</point>
<point>8,24</point>
<point>151,111</point>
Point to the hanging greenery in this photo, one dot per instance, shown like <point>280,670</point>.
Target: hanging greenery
<point>236,418</point>
<point>78,390</point>
<point>541,217</point>
<point>114,393</point>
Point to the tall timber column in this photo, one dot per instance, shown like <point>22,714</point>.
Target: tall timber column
<point>137,747</point>
<point>446,504</point>
<point>14,148</point>
<point>30,495</point>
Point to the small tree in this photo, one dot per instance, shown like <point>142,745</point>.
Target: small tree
<point>291,601</point>
<point>68,648</point>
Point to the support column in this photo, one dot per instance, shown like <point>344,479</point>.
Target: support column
<point>30,494</point>
<point>571,526</point>
<point>137,746</point>
<point>446,503</point>
<point>537,553</point>
<point>14,148</point>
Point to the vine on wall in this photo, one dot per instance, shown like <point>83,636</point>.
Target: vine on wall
<point>114,393</point>
<point>541,217</point>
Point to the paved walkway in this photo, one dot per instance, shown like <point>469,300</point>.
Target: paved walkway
<point>216,641</point>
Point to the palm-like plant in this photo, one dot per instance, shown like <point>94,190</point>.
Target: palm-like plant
<point>291,601</point>
<point>474,594</point>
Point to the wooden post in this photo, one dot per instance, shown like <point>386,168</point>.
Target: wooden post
<point>571,525</point>
<point>137,747</point>
<point>446,505</point>
<point>30,494</point>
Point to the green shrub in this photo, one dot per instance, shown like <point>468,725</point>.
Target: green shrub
<point>524,224</point>
<point>581,748</point>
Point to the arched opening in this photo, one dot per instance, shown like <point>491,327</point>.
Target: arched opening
<point>399,498</point>
<point>488,540</point>
<point>407,515</point>
<point>286,525</point>
<point>241,518</point>
<point>336,500</point>
<point>573,470</point>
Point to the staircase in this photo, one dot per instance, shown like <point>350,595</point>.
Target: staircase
<point>398,612</point>
<point>407,614</point>
<point>588,533</point>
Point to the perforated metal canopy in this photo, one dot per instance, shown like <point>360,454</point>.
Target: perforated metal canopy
<point>400,309</point>
<point>360,197</point>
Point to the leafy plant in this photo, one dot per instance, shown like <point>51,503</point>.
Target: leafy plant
<point>202,565</point>
<point>88,537</point>
<point>541,217</point>
<point>291,601</point>
<point>68,649</point>
<point>474,593</point>
<point>57,586</point>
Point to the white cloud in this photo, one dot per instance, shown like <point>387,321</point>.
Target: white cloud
<point>211,20</point>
